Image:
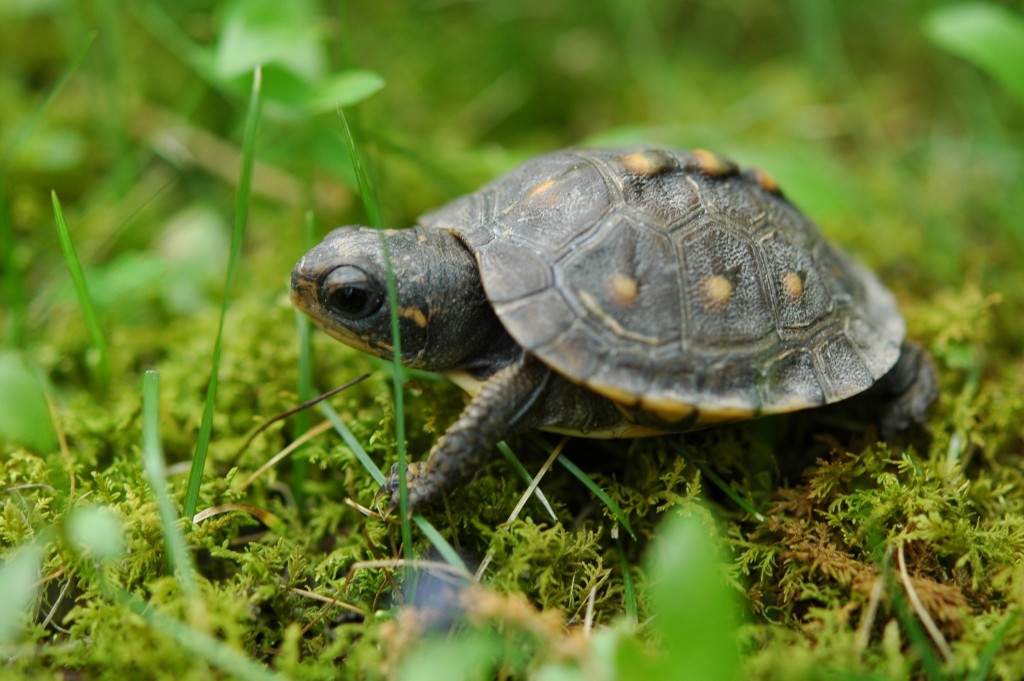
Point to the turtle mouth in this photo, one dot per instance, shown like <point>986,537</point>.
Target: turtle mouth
<point>303,292</point>
<point>352,339</point>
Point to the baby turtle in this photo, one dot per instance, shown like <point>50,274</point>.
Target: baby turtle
<point>616,293</point>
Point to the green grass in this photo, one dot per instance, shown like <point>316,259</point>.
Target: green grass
<point>371,203</point>
<point>252,120</point>
<point>178,557</point>
<point>82,290</point>
<point>813,553</point>
<point>304,329</point>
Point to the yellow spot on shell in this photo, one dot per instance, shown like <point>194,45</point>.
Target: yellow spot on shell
<point>623,289</point>
<point>667,411</point>
<point>793,285</point>
<point>613,393</point>
<point>712,164</point>
<point>725,414</point>
<point>644,163</point>
<point>716,291</point>
<point>540,188</point>
<point>766,181</point>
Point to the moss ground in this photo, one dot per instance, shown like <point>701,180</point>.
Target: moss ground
<point>842,558</point>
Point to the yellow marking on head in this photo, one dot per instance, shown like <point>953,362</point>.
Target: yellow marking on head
<point>623,289</point>
<point>793,285</point>
<point>716,291</point>
<point>643,163</point>
<point>415,314</point>
<point>712,164</point>
<point>766,181</point>
<point>540,188</point>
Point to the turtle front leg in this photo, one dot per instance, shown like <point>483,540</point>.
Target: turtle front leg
<point>502,406</point>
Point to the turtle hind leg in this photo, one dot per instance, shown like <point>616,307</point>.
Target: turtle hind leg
<point>502,406</point>
<point>908,391</point>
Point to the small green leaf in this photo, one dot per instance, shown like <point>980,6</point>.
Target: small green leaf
<point>26,417</point>
<point>18,577</point>
<point>263,32</point>
<point>695,612</point>
<point>471,656</point>
<point>96,531</point>
<point>989,36</point>
<point>344,89</point>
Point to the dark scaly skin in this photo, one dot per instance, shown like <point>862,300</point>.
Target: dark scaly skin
<point>908,391</point>
<point>503,406</point>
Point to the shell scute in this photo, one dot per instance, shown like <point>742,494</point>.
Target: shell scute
<point>724,288</point>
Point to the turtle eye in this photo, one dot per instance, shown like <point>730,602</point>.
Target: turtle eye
<point>350,293</point>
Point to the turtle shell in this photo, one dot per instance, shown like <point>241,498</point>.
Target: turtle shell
<point>675,283</point>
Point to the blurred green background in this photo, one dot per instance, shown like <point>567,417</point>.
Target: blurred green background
<point>896,125</point>
<point>909,154</point>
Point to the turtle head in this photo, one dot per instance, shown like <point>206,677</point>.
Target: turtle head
<point>342,284</point>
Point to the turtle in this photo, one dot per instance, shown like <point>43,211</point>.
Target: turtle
<point>616,293</point>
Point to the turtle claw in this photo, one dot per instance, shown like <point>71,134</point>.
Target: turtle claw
<point>414,473</point>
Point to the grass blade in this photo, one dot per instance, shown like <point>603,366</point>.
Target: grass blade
<point>156,473</point>
<point>92,320</point>
<point>440,543</point>
<point>232,662</point>
<point>598,492</point>
<point>300,465</point>
<point>578,473</point>
<point>916,637</point>
<point>988,653</point>
<point>13,284</point>
<point>367,191</point>
<point>628,588</point>
<point>730,492</point>
<point>372,206</point>
<point>353,444</point>
<point>399,383</point>
<point>195,477</point>
<point>521,471</point>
